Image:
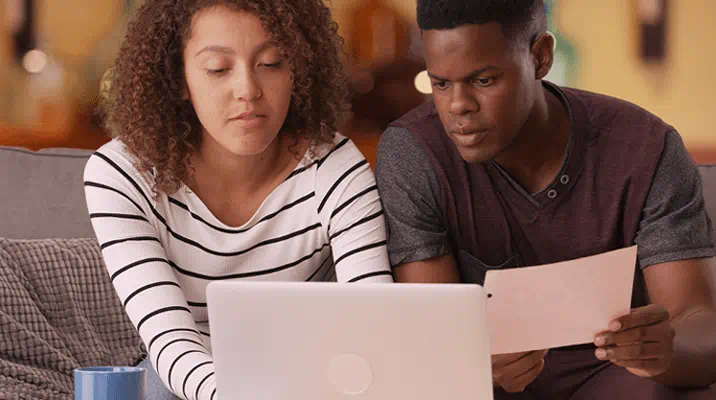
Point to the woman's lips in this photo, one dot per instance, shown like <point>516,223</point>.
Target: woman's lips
<point>248,122</point>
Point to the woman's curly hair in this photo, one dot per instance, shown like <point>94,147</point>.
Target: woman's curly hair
<point>144,107</point>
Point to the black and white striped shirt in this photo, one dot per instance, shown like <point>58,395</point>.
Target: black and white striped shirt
<point>324,222</point>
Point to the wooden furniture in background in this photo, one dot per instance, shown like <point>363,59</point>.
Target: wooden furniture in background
<point>38,138</point>
<point>393,94</point>
<point>379,35</point>
<point>385,57</point>
<point>703,155</point>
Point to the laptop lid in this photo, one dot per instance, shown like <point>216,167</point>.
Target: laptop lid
<point>331,341</point>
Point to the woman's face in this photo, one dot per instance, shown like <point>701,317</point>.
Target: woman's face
<point>238,83</point>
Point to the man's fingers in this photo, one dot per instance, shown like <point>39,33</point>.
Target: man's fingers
<point>647,364</point>
<point>646,333</point>
<point>515,376</point>
<point>648,315</point>
<point>501,360</point>
<point>637,351</point>
<point>520,382</point>
<point>521,366</point>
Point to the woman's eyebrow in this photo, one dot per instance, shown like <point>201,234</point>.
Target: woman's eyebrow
<point>228,50</point>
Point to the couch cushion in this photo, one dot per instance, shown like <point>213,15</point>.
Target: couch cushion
<point>43,195</point>
<point>708,173</point>
<point>58,311</point>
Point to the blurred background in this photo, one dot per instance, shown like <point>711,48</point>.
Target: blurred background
<point>659,54</point>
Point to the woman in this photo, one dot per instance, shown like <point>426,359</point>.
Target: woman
<point>226,165</point>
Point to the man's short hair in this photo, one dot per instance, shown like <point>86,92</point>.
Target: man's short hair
<point>518,19</point>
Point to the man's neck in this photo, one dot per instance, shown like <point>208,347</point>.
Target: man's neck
<point>537,153</point>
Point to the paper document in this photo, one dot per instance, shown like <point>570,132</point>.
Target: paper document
<point>561,304</point>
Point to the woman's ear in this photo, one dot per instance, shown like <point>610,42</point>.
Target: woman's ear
<point>542,50</point>
<point>184,92</point>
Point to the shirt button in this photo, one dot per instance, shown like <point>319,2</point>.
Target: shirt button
<point>552,194</point>
<point>564,179</point>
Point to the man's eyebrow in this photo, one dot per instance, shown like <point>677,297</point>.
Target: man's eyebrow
<point>467,77</point>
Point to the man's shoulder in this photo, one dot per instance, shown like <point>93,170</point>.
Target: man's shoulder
<point>417,117</point>
<point>610,117</point>
<point>420,128</point>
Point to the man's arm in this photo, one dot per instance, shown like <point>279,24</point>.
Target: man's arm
<point>410,192</point>
<point>672,340</point>
<point>441,269</point>
<point>687,289</point>
<point>418,239</point>
<point>679,267</point>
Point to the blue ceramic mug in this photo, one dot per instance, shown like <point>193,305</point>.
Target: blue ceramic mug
<point>110,383</point>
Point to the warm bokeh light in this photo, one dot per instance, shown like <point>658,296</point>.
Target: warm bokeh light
<point>34,61</point>
<point>422,83</point>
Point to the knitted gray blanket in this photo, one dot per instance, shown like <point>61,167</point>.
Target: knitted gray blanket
<point>58,311</point>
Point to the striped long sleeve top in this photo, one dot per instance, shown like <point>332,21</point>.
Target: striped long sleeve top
<point>324,222</point>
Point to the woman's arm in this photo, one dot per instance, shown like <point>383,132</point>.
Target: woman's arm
<point>350,205</point>
<point>145,282</point>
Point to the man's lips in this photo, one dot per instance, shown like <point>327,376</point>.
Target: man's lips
<point>467,129</point>
<point>469,138</point>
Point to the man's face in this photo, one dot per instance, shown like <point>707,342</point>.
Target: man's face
<point>483,87</point>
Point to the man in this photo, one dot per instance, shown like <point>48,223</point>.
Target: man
<point>502,169</point>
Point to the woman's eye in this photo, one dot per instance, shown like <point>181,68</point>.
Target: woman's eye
<point>271,65</point>
<point>216,71</point>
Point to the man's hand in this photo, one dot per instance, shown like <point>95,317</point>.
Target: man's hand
<point>513,372</point>
<point>641,341</point>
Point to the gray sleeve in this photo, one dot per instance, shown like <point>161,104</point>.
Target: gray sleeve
<point>410,192</point>
<point>674,225</point>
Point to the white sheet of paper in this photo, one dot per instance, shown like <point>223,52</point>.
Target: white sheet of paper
<point>561,304</point>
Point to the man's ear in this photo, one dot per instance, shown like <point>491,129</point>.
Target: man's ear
<point>542,50</point>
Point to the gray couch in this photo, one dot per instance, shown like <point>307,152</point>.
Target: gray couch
<point>42,194</point>
<point>42,197</point>
<point>58,309</point>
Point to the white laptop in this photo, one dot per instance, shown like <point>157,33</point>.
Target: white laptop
<point>331,341</point>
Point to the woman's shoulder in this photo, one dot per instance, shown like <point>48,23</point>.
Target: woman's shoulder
<point>339,164</point>
<point>114,163</point>
<point>115,148</point>
<point>336,153</point>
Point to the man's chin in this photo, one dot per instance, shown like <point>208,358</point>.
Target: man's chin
<point>475,156</point>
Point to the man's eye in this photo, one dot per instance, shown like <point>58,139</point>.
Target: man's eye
<point>483,81</point>
<point>440,85</point>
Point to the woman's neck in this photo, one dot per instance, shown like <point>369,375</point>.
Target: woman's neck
<point>216,168</point>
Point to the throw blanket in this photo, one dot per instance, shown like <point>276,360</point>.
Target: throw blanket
<point>58,311</point>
